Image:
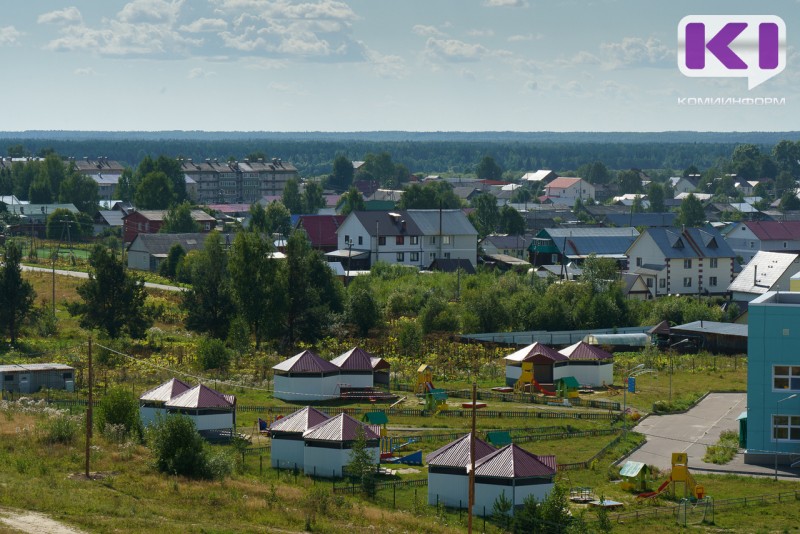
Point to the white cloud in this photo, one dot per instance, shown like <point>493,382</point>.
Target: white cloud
<point>197,72</point>
<point>387,66</point>
<point>526,37</point>
<point>505,3</point>
<point>151,11</point>
<point>481,33</point>
<point>427,31</point>
<point>453,50</point>
<point>9,36</point>
<point>68,15</point>
<point>84,71</point>
<point>637,52</point>
<point>205,25</point>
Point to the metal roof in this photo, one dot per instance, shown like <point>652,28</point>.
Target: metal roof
<point>580,242</point>
<point>165,391</point>
<point>453,222</point>
<point>355,359</point>
<point>299,421</point>
<point>379,363</point>
<point>339,428</point>
<point>456,453</point>
<point>161,243</point>
<point>34,367</point>
<point>305,362</point>
<point>512,461</point>
<point>536,349</point>
<point>775,230</point>
<point>712,327</point>
<point>201,396</point>
<point>690,243</point>
<point>763,271</point>
<point>582,351</point>
<point>630,469</point>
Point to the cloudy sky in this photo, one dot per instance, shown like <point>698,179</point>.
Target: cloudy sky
<point>357,65</point>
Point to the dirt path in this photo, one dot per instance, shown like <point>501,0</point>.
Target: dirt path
<point>33,523</point>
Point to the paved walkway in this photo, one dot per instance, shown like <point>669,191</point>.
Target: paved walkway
<point>80,274</point>
<point>693,431</point>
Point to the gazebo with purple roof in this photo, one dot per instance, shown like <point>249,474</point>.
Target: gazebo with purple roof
<point>306,377</point>
<point>590,365</point>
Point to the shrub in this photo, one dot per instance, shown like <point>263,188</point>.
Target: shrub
<point>178,448</point>
<point>119,407</point>
<point>220,464</point>
<point>212,354</point>
<point>61,428</point>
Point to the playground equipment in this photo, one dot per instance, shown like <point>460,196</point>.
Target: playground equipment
<point>567,387</point>
<point>424,378</point>
<point>435,399</point>
<point>680,475</point>
<point>635,475</point>
<point>390,446</point>
<point>377,419</point>
<point>527,381</point>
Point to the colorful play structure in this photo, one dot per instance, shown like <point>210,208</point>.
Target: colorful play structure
<point>435,399</point>
<point>680,476</point>
<point>527,381</point>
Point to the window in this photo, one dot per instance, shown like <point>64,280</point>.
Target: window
<point>687,263</point>
<point>446,239</point>
<point>414,256</point>
<point>447,255</point>
<point>752,244</point>
<point>432,240</point>
<point>786,377</point>
<point>67,376</point>
<point>662,283</point>
<point>638,262</point>
<point>401,256</point>
<point>9,378</point>
<point>712,280</point>
<point>786,428</point>
<point>687,281</point>
<point>414,239</point>
<point>649,282</point>
<point>399,240</point>
<point>432,256</point>
<point>382,240</point>
<point>361,240</point>
<point>554,259</point>
<point>784,244</point>
<point>346,239</point>
<point>714,263</point>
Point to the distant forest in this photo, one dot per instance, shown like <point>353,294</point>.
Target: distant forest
<point>421,152</point>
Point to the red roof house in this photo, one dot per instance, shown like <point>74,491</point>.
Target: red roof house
<point>328,445</point>
<point>287,449</point>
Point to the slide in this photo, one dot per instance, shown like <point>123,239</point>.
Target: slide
<point>659,491</point>
<point>543,391</point>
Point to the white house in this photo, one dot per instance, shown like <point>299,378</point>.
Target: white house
<point>747,238</point>
<point>567,190</point>
<point>287,447</point>
<point>545,360</point>
<point>767,271</point>
<point>448,481</point>
<point>680,184</point>
<point>542,176</point>
<point>356,368</point>
<point>329,445</point>
<point>412,237</point>
<point>515,472</point>
<point>590,365</point>
<point>151,403</point>
<point>306,377</point>
<point>689,261</point>
<point>209,409</point>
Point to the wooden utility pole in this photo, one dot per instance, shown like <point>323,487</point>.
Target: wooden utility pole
<point>89,412</point>
<point>472,460</point>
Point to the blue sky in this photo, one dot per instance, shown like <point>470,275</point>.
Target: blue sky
<point>356,65</point>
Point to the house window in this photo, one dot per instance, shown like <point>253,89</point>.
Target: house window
<point>687,281</point>
<point>399,240</point>
<point>662,283</point>
<point>712,280</point>
<point>432,255</point>
<point>447,255</point>
<point>752,244</point>
<point>638,262</point>
<point>346,239</point>
<point>414,256</point>
<point>784,244</point>
<point>553,259</point>
<point>401,256</point>
<point>446,239</point>
<point>785,428</point>
<point>786,377</point>
<point>414,239</point>
<point>382,240</point>
<point>649,282</point>
<point>713,262</point>
<point>9,378</point>
<point>361,240</point>
<point>687,263</point>
<point>432,240</point>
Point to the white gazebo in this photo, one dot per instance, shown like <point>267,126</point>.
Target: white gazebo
<point>328,445</point>
<point>209,409</point>
<point>306,377</point>
<point>590,365</point>
<point>151,403</point>
<point>356,368</point>
<point>287,449</point>
<point>545,362</point>
<point>448,483</point>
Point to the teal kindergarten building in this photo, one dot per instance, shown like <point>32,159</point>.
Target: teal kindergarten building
<point>773,380</point>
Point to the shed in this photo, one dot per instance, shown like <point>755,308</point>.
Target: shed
<point>287,450</point>
<point>210,410</point>
<point>713,336</point>
<point>152,401</point>
<point>635,473</point>
<point>328,445</point>
<point>567,387</point>
<point>381,371</point>
<point>306,377</point>
<point>515,472</point>
<point>356,368</point>
<point>31,377</point>
<point>590,365</point>
<point>448,482</point>
<point>545,361</point>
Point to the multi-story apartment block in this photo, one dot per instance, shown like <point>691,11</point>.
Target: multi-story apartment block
<point>237,182</point>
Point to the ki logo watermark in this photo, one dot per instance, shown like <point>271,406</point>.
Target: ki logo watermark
<point>732,46</point>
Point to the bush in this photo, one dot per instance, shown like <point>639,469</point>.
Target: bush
<point>178,448</point>
<point>220,464</point>
<point>62,428</point>
<point>119,407</point>
<point>212,354</point>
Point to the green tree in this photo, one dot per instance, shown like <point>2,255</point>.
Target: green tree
<point>16,294</point>
<point>600,272</point>
<point>784,182</point>
<point>362,466</point>
<point>172,170</point>
<point>351,201</point>
<point>789,202</point>
<point>112,299</point>
<point>178,448</point>
<point>691,212</point>
<point>154,192</point>
<point>81,191</point>
<point>40,191</point>
<point>253,280</point>
<point>178,220</point>
<point>212,354</point>
<point>594,173</point>
<point>637,206</point>
<point>53,169</point>
<point>501,511</point>
<point>630,181</point>
<point>488,169</point>
<point>126,186</point>
<point>62,224</point>
<point>486,214</point>
<point>313,199</point>
<point>380,167</point>
<point>362,308</point>
<point>169,267</point>
<point>655,195</point>
<point>119,406</point>
<point>342,177</point>
<point>258,218</point>
<point>291,196</point>
<point>787,156</point>
<point>432,195</point>
<point>209,303</point>
<point>277,218</point>
<point>511,221</point>
<point>522,195</point>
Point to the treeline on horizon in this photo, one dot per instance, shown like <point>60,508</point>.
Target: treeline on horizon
<point>314,156</point>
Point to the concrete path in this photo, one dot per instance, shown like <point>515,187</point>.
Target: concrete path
<point>79,274</point>
<point>693,431</point>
